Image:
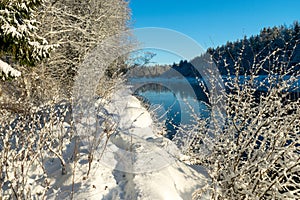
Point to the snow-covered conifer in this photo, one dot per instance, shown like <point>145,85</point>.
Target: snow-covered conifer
<point>19,40</point>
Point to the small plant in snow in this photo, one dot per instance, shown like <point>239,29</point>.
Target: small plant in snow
<point>29,139</point>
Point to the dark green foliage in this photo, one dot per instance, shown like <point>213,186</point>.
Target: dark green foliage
<point>18,38</point>
<point>277,46</point>
<point>186,69</point>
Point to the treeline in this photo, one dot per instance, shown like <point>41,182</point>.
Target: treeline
<point>181,69</point>
<point>272,48</point>
<point>148,71</point>
<point>268,51</point>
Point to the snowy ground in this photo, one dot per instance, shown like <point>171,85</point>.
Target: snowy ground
<point>137,163</point>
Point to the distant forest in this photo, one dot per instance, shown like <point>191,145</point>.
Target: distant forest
<point>277,46</point>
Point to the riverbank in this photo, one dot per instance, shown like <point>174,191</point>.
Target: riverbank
<point>137,162</point>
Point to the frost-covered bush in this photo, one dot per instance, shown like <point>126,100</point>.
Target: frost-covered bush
<point>41,149</point>
<point>28,140</point>
<point>255,152</point>
<point>36,125</point>
<point>78,27</point>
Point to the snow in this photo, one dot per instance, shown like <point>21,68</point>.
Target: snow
<point>136,164</point>
<point>177,181</point>
<point>8,70</point>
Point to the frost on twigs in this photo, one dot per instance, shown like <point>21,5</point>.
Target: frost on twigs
<point>78,27</point>
<point>30,141</point>
<point>39,151</point>
<point>256,153</point>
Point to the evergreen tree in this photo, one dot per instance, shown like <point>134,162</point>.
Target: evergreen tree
<point>19,42</point>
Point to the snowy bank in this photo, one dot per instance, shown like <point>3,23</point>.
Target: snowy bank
<point>136,163</point>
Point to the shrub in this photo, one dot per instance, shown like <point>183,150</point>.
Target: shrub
<point>255,152</point>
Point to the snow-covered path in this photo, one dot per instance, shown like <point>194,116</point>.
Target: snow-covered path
<point>137,163</point>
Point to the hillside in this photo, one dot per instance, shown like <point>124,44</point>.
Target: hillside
<point>282,43</point>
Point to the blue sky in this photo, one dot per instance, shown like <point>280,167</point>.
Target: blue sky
<point>214,22</point>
